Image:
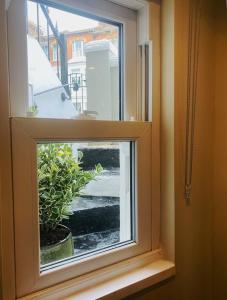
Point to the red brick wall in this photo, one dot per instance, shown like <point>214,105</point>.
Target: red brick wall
<point>84,36</point>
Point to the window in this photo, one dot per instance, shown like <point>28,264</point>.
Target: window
<point>35,192</point>
<point>99,60</point>
<point>78,48</point>
<point>55,53</point>
<point>109,88</point>
<point>79,163</point>
<point>45,49</point>
<point>100,175</point>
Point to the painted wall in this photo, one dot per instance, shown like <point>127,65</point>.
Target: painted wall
<point>220,155</point>
<point>193,223</point>
<point>42,79</point>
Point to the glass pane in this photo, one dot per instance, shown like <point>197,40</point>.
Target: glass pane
<point>73,65</point>
<point>85,197</point>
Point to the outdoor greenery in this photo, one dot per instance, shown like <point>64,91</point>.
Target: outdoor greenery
<point>33,109</point>
<point>60,179</point>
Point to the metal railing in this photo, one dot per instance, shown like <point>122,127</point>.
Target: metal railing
<point>59,40</point>
<point>78,90</point>
<point>74,84</point>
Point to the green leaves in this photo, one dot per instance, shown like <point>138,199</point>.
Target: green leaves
<point>60,179</point>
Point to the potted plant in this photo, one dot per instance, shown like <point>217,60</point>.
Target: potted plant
<point>32,110</point>
<point>60,179</point>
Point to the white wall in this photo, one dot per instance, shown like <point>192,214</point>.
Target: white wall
<point>102,79</point>
<point>42,78</point>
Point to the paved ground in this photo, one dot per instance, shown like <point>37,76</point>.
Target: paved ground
<point>108,184</point>
<point>89,202</point>
<point>104,191</point>
<point>95,241</point>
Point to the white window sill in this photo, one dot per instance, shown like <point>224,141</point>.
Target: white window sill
<point>113,282</point>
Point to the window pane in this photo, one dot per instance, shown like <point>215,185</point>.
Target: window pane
<point>77,49</point>
<point>60,42</point>
<point>85,198</point>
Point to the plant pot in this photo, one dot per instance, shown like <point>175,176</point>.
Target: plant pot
<point>59,250</point>
<point>31,114</point>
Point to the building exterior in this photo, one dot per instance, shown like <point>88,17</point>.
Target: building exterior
<point>75,48</point>
<point>83,57</point>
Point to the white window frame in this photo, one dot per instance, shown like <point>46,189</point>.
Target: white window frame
<point>74,49</point>
<point>54,53</point>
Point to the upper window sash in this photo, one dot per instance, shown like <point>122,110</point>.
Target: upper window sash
<point>135,32</point>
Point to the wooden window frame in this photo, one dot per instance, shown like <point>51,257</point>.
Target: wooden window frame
<point>9,289</point>
<point>18,65</point>
<point>26,134</point>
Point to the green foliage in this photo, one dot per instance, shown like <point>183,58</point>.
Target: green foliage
<point>60,179</point>
<point>33,109</point>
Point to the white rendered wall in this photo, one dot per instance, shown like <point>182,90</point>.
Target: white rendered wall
<point>102,87</point>
<point>42,78</point>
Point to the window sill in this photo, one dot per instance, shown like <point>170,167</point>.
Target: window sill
<point>113,282</point>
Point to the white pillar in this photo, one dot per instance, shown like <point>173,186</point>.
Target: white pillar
<point>100,81</point>
<point>115,88</point>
